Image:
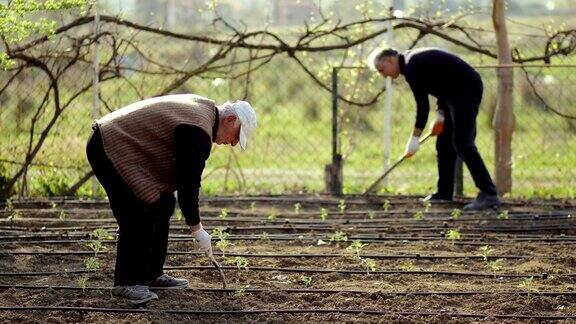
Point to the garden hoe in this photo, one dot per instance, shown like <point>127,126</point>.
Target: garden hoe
<point>217,266</point>
<point>404,157</point>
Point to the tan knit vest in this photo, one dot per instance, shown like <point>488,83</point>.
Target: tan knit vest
<point>139,140</point>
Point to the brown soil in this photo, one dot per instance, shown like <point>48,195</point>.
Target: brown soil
<point>540,236</point>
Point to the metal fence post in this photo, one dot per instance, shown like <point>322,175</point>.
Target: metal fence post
<point>95,88</point>
<point>333,171</point>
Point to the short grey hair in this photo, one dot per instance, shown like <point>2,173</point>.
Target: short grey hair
<point>378,54</point>
<point>228,109</point>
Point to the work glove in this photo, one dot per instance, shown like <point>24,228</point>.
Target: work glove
<point>412,146</point>
<point>438,126</point>
<point>204,241</point>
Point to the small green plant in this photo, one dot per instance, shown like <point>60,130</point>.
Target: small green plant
<point>273,214</point>
<point>264,236</point>
<point>240,262</point>
<point>453,235</point>
<point>101,234</point>
<point>372,214</point>
<point>526,283</point>
<point>383,284</point>
<point>96,246</point>
<point>179,216</point>
<point>223,214</point>
<point>503,215</point>
<point>342,205</point>
<point>223,245</point>
<point>239,292</point>
<point>386,205</point>
<point>306,280</point>
<point>456,213</point>
<point>252,206</point>
<point>16,214</point>
<point>82,281</point>
<point>485,251</point>
<point>222,236</point>
<point>495,266</point>
<point>419,215</point>
<point>92,264</point>
<point>368,264</point>
<point>53,205</point>
<point>297,207</point>
<point>356,247</point>
<point>338,236</point>
<point>323,214</point>
<point>427,206</point>
<point>407,266</point>
<point>62,215</point>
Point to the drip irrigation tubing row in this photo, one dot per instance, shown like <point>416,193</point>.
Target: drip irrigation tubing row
<point>479,241</point>
<point>317,291</point>
<point>282,311</point>
<point>307,255</point>
<point>311,270</point>
<point>376,272</point>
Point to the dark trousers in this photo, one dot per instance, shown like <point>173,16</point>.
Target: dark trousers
<point>142,228</point>
<point>458,139</point>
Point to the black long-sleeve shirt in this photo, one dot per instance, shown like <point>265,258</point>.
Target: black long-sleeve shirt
<point>191,150</point>
<point>431,71</point>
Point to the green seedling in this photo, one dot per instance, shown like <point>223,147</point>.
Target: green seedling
<point>252,206</point>
<point>526,283</point>
<point>297,207</point>
<point>503,215</point>
<point>53,205</point>
<point>223,245</point>
<point>239,292</point>
<point>342,205</point>
<point>222,236</point>
<point>338,236</point>
<point>96,246</point>
<point>16,214</point>
<point>419,215</point>
<point>62,215</point>
<point>407,266</point>
<point>273,214</point>
<point>356,247</point>
<point>495,266</point>
<point>485,251</point>
<point>453,235</point>
<point>456,213</point>
<point>82,281</point>
<point>372,214</point>
<point>383,284</point>
<point>323,214</point>
<point>101,234</point>
<point>179,216</point>
<point>92,264</point>
<point>427,206</point>
<point>264,236</point>
<point>368,264</point>
<point>306,280</point>
<point>386,205</point>
<point>9,206</point>
<point>223,213</point>
<point>240,262</point>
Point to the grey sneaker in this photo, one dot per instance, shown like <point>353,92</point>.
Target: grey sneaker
<point>483,202</point>
<point>168,282</point>
<point>135,295</point>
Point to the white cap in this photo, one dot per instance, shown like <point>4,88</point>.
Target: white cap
<point>247,117</point>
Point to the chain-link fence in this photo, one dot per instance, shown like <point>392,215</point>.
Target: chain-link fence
<point>44,146</point>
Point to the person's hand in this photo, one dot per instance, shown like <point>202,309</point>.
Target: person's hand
<point>412,146</point>
<point>438,126</point>
<point>204,240</point>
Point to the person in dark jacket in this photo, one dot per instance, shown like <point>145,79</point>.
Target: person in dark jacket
<point>458,88</point>
<point>142,154</point>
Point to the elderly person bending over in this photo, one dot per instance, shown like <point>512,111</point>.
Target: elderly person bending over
<point>142,154</point>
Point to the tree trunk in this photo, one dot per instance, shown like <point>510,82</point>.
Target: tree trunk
<point>504,116</point>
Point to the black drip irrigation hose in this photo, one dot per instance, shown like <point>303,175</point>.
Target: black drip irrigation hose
<point>315,291</point>
<point>416,256</point>
<point>318,270</point>
<point>281,311</point>
<point>542,240</point>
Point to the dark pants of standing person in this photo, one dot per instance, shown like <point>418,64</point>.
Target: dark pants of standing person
<point>142,228</point>
<point>458,139</point>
